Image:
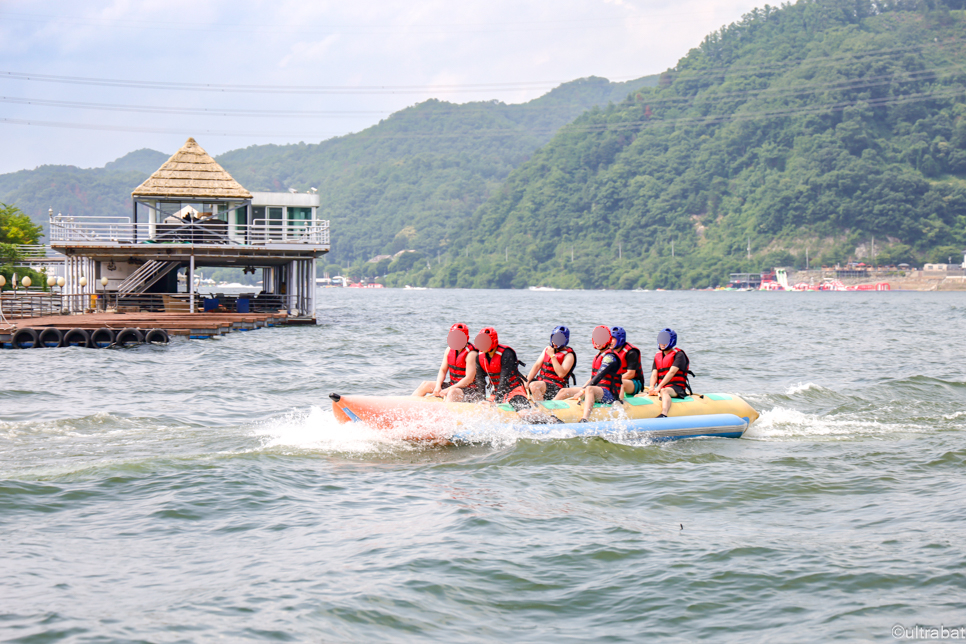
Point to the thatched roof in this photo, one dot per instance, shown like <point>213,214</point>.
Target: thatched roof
<point>191,173</point>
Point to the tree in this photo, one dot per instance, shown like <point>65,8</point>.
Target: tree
<point>16,227</point>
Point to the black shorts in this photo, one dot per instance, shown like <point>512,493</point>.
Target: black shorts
<point>552,389</point>
<point>519,403</point>
<point>678,389</point>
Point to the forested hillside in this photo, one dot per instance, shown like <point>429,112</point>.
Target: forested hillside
<point>80,191</point>
<point>415,179</point>
<point>426,169</point>
<point>815,126</point>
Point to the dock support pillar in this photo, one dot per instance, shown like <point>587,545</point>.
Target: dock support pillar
<point>191,284</point>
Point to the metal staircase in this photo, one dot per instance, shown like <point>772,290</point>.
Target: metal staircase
<point>146,276</point>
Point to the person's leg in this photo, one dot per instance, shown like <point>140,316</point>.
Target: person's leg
<point>454,394</point>
<point>425,388</point>
<point>666,394</point>
<point>538,388</point>
<point>628,387</point>
<point>566,392</point>
<point>593,395</point>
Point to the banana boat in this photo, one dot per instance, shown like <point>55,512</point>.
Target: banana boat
<point>432,419</point>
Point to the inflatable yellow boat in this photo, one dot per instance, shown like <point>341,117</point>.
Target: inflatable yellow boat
<point>430,418</point>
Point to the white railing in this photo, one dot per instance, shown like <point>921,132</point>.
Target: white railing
<point>120,230</point>
<point>37,251</point>
<point>33,304</point>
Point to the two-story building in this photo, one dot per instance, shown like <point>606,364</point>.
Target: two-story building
<point>191,214</point>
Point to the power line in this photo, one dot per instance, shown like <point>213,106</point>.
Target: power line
<point>704,100</point>
<point>598,128</point>
<point>414,29</point>
<point>192,111</point>
<point>865,82</point>
<point>402,89</point>
<point>816,61</point>
<point>275,89</point>
<point>743,116</point>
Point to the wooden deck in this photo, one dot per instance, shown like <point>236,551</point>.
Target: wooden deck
<point>195,325</point>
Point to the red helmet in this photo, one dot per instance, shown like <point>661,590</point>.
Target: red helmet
<point>601,336</point>
<point>459,326</point>
<point>458,336</point>
<point>487,340</point>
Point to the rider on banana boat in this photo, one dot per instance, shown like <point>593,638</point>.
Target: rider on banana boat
<point>605,382</point>
<point>669,371</point>
<point>556,366</point>
<point>632,373</point>
<point>499,362</point>
<point>467,382</point>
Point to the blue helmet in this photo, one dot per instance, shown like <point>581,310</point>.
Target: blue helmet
<point>667,337</point>
<point>560,337</point>
<point>620,336</point>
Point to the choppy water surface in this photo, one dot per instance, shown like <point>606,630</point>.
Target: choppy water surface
<point>203,491</point>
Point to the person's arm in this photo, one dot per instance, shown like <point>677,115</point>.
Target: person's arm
<point>610,365</point>
<point>667,378</point>
<point>651,391</point>
<point>536,367</point>
<point>633,357</point>
<point>441,376</point>
<point>470,376</point>
<point>562,368</point>
<point>508,365</point>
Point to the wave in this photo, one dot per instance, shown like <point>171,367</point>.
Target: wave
<point>801,388</point>
<point>781,422</point>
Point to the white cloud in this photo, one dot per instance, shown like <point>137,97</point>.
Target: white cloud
<point>432,44</point>
<point>308,52</point>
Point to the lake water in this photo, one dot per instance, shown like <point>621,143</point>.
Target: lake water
<point>202,491</point>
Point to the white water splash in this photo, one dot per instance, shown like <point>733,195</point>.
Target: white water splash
<point>781,422</point>
<point>318,430</point>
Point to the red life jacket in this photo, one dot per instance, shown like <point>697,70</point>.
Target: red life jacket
<point>456,360</point>
<point>664,364</point>
<point>625,367</point>
<point>547,373</point>
<point>610,382</point>
<point>491,367</point>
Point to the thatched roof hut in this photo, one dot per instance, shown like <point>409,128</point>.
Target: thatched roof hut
<point>192,174</point>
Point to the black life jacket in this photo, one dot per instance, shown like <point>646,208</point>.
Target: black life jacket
<point>491,366</point>
<point>456,360</point>
<point>610,382</point>
<point>547,373</point>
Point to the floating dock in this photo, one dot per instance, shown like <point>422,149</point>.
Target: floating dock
<point>192,325</point>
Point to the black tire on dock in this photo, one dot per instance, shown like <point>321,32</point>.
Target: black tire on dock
<point>102,338</point>
<point>24,339</point>
<point>157,336</point>
<point>128,337</point>
<point>50,338</point>
<point>77,338</point>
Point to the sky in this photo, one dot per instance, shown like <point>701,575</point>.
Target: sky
<point>85,83</point>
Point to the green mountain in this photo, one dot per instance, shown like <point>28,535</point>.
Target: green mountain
<point>810,128</point>
<point>79,191</point>
<point>415,179</point>
<point>407,182</point>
